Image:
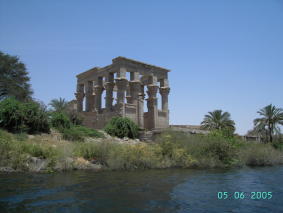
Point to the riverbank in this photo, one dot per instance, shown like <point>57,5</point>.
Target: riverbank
<point>50,153</point>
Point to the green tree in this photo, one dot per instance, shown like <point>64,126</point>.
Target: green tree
<point>271,118</point>
<point>122,127</point>
<point>16,116</point>
<point>218,120</point>
<point>14,79</point>
<point>59,105</point>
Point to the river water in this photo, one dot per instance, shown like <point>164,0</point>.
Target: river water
<point>174,190</point>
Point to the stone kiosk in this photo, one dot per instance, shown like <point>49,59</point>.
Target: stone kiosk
<point>112,81</point>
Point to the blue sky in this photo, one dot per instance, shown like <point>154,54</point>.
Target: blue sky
<point>222,54</point>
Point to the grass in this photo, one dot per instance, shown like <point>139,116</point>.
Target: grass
<point>79,133</point>
<point>171,149</point>
<point>16,153</point>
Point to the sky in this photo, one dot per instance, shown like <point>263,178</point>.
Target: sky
<point>222,54</point>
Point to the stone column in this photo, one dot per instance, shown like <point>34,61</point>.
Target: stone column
<point>164,91</point>
<point>109,95</point>
<point>128,95</point>
<point>98,91</point>
<point>152,105</point>
<point>140,107</point>
<point>89,97</point>
<point>135,87</point>
<point>80,97</point>
<point>121,84</point>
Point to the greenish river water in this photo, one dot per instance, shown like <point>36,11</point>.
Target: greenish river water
<point>174,190</point>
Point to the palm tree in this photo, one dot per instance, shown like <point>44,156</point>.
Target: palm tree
<point>218,120</point>
<point>271,118</point>
<point>59,105</point>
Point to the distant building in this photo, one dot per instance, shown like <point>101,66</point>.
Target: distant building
<point>123,97</point>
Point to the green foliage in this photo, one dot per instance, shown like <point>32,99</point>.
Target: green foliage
<point>16,154</point>
<point>14,79</point>
<point>37,150</point>
<point>218,120</point>
<point>172,149</point>
<point>62,106</point>
<point>278,142</point>
<point>122,127</point>
<point>268,123</point>
<point>255,154</point>
<point>21,136</point>
<point>59,105</point>
<point>74,117</point>
<point>204,150</point>
<point>28,117</point>
<point>97,151</point>
<point>36,117</point>
<point>60,121</point>
<point>78,133</point>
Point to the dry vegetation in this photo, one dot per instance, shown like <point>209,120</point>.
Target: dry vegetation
<point>49,152</point>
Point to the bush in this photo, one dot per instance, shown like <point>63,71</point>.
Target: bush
<point>98,151</point>
<point>74,117</point>
<point>28,117</point>
<point>78,133</point>
<point>255,154</point>
<point>12,115</point>
<point>278,143</point>
<point>60,121</point>
<point>16,154</point>
<point>36,118</point>
<point>201,150</point>
<point>122,127</point>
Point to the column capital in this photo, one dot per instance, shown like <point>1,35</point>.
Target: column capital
<point>98,89</point>
<point>121,83</point>
<point>135,85</point>
<point>109,85</point>
<point>79,95</point>
<point>152,90</point>
<point>164,90</point>
<point>141,95</point>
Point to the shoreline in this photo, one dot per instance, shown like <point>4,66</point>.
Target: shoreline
<point>49,153</point>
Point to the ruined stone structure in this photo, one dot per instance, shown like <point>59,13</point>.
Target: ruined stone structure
<point>124,97</point>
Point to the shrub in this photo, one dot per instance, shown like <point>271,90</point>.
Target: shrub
<point>78,133</point>
<point>28,117</point>
<point>278,143</point>
<point>129,157</point>
<point>97,151</point>
<point>122,127</point>
<point>60,121</point>
<point>201,150</point>
<point>255,154</point>
<point>16,154</point>
<point>36,117</point>
<point>72,135</point>
<point>74,117</point>
<point>12,115</point>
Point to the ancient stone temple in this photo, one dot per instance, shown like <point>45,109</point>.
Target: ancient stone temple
<point>126,85</point>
